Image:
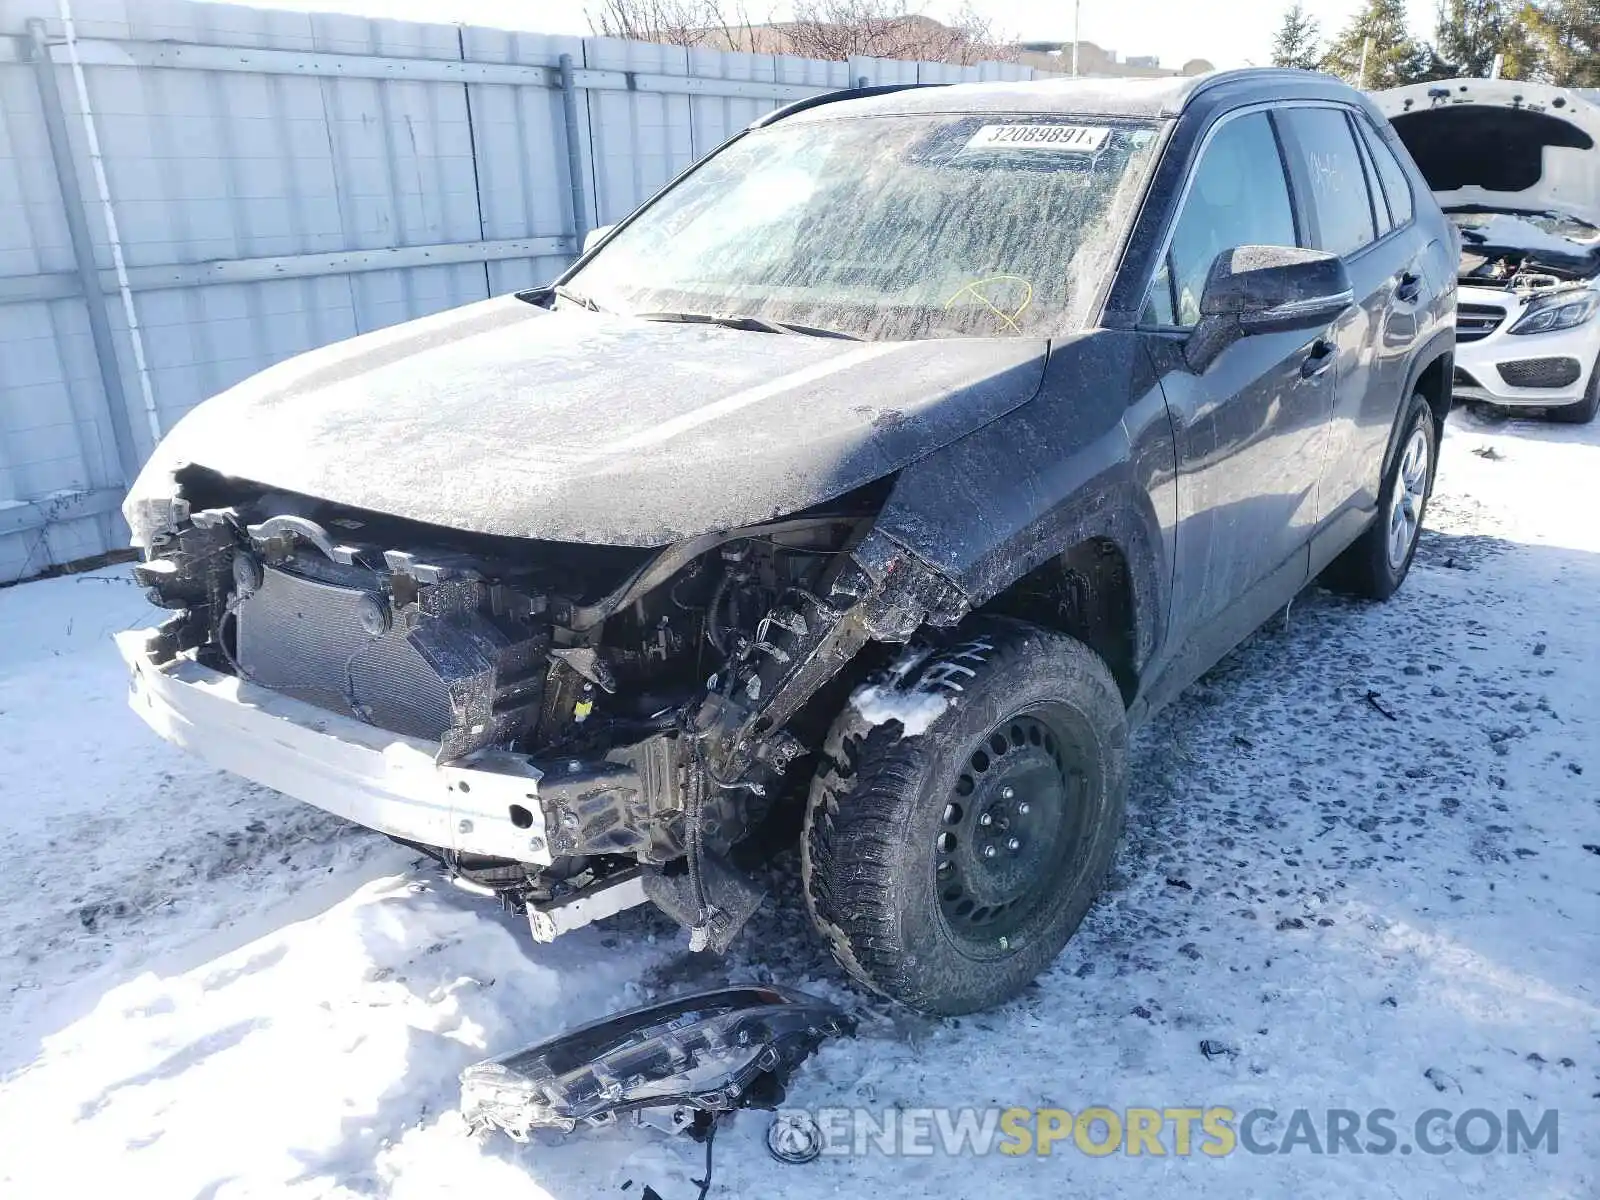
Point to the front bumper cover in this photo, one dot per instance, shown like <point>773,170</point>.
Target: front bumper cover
<point>487,803</point>
<point>1480,360</point>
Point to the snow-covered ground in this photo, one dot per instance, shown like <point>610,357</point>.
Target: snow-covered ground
<point>1362,867</point>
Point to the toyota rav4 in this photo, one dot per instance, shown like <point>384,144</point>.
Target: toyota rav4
<point>862,489</point>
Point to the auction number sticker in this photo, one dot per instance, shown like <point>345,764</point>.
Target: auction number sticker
<point>1083,139</point>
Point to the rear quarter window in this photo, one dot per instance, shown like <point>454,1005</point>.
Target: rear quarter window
<point>1396,183</point>
<point>1380,209</point>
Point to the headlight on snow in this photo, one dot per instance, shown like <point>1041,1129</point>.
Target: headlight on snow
<point>1548,314</point>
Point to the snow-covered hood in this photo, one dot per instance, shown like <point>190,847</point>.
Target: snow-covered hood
<point>1502,144</point>
<point>504,418</point>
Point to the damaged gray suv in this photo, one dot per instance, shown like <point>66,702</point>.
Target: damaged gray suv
<point>861,490</point>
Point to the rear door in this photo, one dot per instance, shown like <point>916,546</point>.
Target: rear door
<point>1249,429</point>
<point>1348,213</point>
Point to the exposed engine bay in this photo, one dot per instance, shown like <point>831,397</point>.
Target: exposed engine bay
<point>1525,252</point>
<point>659,696</point>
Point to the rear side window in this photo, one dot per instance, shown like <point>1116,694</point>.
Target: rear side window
<point>1337,182</point>
<point>1238,196</point>
<point>1396,183</point>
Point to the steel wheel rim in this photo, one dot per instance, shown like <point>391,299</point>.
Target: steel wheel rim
<point>1010,826</point>
<point>1410,493</point>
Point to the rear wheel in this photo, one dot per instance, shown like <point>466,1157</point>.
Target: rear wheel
<point>947,867</point>
<point>1376,563</point>
<point>1584,410</point>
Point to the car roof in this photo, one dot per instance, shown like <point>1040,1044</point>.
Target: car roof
<point>1149,98</point>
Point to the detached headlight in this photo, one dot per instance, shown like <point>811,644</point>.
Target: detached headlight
<point>1548,314</point>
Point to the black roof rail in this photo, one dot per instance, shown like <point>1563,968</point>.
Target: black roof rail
<point>1262,75</point>
<point>817,101</point>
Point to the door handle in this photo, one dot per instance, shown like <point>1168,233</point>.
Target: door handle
<point>1408,287</point>
<point>1319,360</point>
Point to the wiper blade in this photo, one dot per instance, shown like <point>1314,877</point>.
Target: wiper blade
<point>755,324</point>
<point>752,324</point>
<point>818,331</point>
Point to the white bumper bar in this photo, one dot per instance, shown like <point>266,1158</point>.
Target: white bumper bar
<point>487,803</point>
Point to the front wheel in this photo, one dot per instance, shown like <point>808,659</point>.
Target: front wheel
<point>964,815</point>
<point>1376,563</point>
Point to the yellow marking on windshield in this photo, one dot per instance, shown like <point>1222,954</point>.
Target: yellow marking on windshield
<point>973,287</point>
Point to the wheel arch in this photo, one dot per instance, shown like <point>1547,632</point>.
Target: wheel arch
<point>1096,567</point>
<point>1079,484</point>
<point>1088,592</point>
<point>1432,376</point>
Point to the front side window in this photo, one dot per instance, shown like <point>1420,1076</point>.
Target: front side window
<point>1238,197</point>
<point>887,227</point>
<point>1337,182</point>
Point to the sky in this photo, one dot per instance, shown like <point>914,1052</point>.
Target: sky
<point>1230,33</point>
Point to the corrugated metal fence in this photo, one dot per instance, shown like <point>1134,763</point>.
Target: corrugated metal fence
<point>280,180</point>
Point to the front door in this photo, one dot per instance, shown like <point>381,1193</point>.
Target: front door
<point>1250,428</point>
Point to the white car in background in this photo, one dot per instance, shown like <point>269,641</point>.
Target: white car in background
<point>1516,168</point>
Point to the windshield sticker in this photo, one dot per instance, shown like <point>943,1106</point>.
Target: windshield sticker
<point>1079,139</point>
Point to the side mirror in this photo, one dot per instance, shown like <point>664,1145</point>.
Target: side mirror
<point>1266,289</point>
<point>595,236</point>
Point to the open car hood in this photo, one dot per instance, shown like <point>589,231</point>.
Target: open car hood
<point>505,418</point>
<point>1502,144</point>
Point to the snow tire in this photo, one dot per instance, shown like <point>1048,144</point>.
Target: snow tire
<point>879,816</point>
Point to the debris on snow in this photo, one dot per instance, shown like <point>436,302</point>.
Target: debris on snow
<point>1214,1049</point>
<point>1442,1082</point>
<point>694,1056</point>
<point>794,1138</point>
<point>1372,699</point>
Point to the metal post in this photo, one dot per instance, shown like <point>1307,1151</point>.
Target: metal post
<point>1077,15</point>
<point>119,266</point>
<point>1077,12</point>
<point>569,110</point>
<point>94,299</point>
<point>1361,73</point>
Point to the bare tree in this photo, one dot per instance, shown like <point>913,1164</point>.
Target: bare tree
<point>839,29</point>
<point>673,22</point>
<point>828,29</point>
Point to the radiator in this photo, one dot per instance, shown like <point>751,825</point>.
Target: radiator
<point>305,638</point>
